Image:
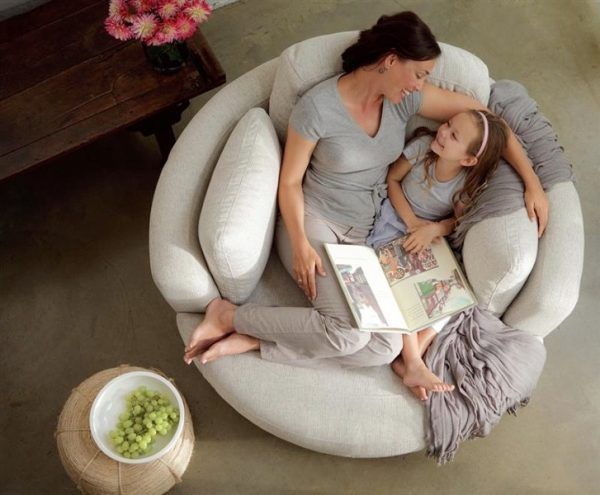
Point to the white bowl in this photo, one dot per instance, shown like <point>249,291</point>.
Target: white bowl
<point>111,402</point>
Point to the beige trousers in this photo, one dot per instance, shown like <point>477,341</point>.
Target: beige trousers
<point>324,334</point>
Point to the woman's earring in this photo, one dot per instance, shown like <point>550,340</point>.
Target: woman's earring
<point>381,70</point>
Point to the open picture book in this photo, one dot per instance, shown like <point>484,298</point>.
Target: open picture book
<point>391,290</point>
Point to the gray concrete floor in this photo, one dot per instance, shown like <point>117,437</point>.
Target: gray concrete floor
<point>76,294</point>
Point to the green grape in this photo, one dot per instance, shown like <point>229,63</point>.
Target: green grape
<point>147,415</point>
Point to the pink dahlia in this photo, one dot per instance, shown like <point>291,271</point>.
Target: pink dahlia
<point>185,26</point>
<point>167,33</point>
<point>117,29</point>
<point>143,6</point>
<point>168,9</point>
<point>118,8</point>
<point>144,26</point>
<point>198,10</point>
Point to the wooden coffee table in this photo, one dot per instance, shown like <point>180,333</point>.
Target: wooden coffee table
<point>64,82</point>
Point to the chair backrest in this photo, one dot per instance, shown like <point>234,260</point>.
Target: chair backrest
<point>309,62</point>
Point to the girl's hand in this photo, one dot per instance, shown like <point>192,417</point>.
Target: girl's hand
<point>422,237</point>
<point>537,206</point>
<point>306,260</point>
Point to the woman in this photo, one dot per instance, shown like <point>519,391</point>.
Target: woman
<point>342,136</point>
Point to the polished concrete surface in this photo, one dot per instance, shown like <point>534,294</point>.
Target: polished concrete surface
<point>76,295</point>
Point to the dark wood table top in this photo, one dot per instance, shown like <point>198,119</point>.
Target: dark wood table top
<point>65,82</point>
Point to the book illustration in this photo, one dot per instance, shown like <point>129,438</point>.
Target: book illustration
<point>443,296</point>
<point>362,298</point>
<point>398,265</point>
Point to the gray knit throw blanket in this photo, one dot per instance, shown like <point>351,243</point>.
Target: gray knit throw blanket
<point>504,193</point>
<point>493,367</point>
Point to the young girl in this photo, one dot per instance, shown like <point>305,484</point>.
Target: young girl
<point>431,185</point>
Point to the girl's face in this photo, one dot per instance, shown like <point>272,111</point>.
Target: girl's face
<point>454,138</point>
<point>405,76</point>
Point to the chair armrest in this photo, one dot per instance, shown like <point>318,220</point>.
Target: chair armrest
<point>552,289</point>
<point>178,267</point>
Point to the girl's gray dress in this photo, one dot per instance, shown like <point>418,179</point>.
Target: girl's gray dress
<point>428,202</point>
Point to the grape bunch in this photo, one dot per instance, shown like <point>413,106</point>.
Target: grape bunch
<point>148,414</point>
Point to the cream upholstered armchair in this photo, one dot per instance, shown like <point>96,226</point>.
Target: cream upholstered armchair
<point>350,412</point>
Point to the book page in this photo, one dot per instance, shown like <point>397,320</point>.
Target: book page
<point>369,296</point>
<point>427,286</point>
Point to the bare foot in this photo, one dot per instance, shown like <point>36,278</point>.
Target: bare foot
<point>217,323</point>
<point>417,374</point>
<point>236,343</point>
<point>399,368</point>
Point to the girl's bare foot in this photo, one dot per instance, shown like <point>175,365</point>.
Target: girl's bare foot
<point>236,343</point>
<point>399,368</point>
<point>217,323</point>
<point>417,374</point>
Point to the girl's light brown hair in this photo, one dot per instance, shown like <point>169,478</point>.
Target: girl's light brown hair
<point>478,175</point>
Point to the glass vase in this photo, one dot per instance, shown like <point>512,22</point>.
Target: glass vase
<point>167,58</point>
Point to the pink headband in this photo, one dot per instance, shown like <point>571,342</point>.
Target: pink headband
<point>485,134</point>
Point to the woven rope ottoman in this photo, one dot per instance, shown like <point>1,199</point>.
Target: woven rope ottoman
<point>95,473</point>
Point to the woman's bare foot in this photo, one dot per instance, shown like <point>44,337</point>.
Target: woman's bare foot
<point>399,368</point>
<point>217,323</point>
<point>236,343</point>
<point>417,374</point>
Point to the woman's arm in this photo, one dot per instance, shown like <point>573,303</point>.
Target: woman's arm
<point>440,104</point>
<point>296,158</point>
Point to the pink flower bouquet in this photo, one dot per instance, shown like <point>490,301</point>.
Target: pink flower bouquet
<point>155,22</point>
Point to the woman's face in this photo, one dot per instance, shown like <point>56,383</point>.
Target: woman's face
<point>454,138</point>
<point>405,76</point>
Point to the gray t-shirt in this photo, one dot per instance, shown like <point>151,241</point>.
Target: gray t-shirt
<point>345,180</point>
<point>433,202</point>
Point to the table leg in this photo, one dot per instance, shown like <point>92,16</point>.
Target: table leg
<point>161,126</point>
<point>166,139</point>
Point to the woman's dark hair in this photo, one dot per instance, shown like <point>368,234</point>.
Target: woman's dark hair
<point>404,34</point>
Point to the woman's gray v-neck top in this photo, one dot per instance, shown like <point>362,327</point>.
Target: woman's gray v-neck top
<point>345,180</point>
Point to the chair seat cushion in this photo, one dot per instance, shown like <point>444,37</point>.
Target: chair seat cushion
<point>237,221</point>
<point>363,412</point>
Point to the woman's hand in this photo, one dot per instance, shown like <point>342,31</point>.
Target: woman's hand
<point>537,206</point>
<point>421,237</point>
<point>306,263</point>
